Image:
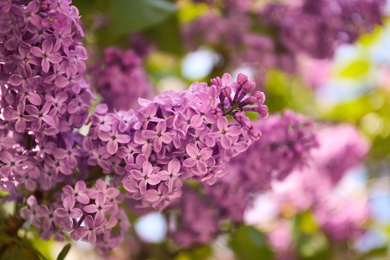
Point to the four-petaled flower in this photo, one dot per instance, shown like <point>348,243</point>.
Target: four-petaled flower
<point>113,138</point>
<point>47,54</point>
<point>159,136</point>
<point>79,192</point>
<point>89,230</point>
<point>65,215</point>
<point>226,132</point>
<point>172,174</point>
<point>146,175</point>
<point>197,157</point>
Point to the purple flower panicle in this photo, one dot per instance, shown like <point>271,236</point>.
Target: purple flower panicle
<point>120,79</point>
<point>176,136</point>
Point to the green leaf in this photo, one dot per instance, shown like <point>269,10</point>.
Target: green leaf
<point>18,248</point>
<point>135,15</point>
<point>44,246</point>
<point>372,37</point>
<point>287,91</point>
<point>374,253</point>
<point>166,35</point>
<point>310,242</point>
<point>86,7</point>
<point>308,223</point>
<point>64,252</point>
<point>248,243</point>
<point>252,115</point>
<point>190,11</point>
<point>202,252</point>
<point>355,69</point>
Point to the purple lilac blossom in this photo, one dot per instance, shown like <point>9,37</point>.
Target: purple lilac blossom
<point>44,99</point>
<point>70,180</point>
<point>175,136</point>
<point>312,188</point>
<point>286,143</point>
<point>317,27</point>
<point>39,48</point>
<point>334,160</point>
<point>197,223</point>
<point>288,140</point>
<point>274,34</point>
<point>328,165</point>
<point>121,79</point>
<point>343,218</point>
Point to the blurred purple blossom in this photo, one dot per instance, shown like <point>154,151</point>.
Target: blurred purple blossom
<point>274,34</point>
<point>120,79</point>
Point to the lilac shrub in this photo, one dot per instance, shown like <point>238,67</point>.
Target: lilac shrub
<point>176,136</point>
<point>121,79</point>
<point>68,183</point>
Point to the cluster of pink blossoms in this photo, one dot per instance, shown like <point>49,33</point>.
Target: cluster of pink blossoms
<point>198,222</point>
<point>290,139</point>
<point>339,217</point>
<point>275,33</point>
<point>121,79</point>
<point>44,100</point>
<point>176,136</point>
<point>43,97</point>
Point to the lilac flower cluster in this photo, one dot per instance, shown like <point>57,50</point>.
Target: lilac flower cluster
<point>343,218</point>
<point>174,137</point>
<point>43,96</point>
<point>46,163</point>
<point>288,142</point>
<point>328,165</point>
<point>198,221</point>
<point>313,188</point>
<point>316,27</point>
<point>44,100</point>
<point>335,160</point>
<point>121,79</point>
<point>275,33</point>
<point>90,214</point>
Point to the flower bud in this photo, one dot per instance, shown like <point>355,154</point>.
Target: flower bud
<point>259,96</point>
<point>242,78</point>
<point>249,86</point>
